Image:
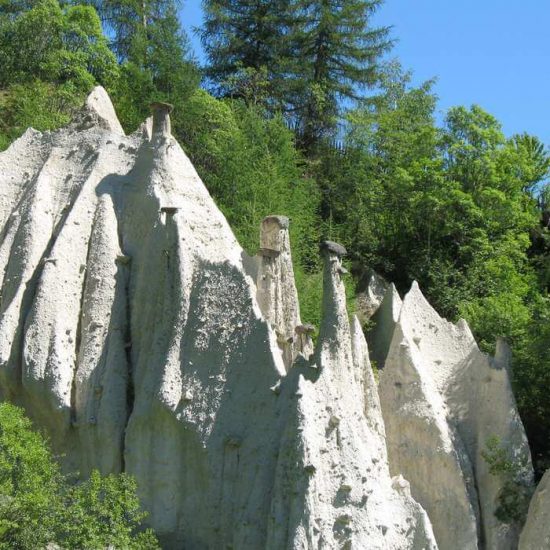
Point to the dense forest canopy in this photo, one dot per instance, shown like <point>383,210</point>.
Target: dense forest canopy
<point>300,113</point>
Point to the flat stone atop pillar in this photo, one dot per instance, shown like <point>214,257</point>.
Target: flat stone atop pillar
<point>283,221</point>
<point>333,248</point>
<point>306,328</point>
<point>161,118</point>
<point>274,233</point>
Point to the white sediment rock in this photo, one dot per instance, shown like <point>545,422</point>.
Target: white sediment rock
<point>385,318</point>
<point>370,293</point>
<point>536,531</point>
<point>131,330</point>
<point>277,295</point>
<point>333,487</point>
<point>443,400</point>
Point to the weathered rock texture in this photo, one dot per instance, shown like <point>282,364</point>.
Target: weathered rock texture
<point>384,319</point>
<point>536,532</point>
<point>371,290</point>
<point>333,487</point>
<point>131,330</point>
<point>443,400</point>
<point>277,295</point>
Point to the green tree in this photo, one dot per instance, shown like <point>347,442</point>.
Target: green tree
<point>309,57</point>
<point>461,209</point>
<point>54,45</point>
<point>333,57</point>
<point>156,64</point>
<point>242,40</point>
<point>51,58</point>
<point>39,506</point>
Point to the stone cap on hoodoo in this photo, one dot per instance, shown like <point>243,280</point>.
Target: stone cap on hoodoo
<point>273,235</point>
<point>282,221</point>
<point>306,328</point>
<point>161,117</point>
<point>331,247</point>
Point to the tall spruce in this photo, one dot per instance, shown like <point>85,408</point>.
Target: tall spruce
<point>312,56</point>
<point>333,57</point>
<point>243,41</point>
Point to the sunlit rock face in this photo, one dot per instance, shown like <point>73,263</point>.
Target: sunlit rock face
<point>536,532</point>
<point>132,330</point>
<point>277,295</point>
<point>443,402</point>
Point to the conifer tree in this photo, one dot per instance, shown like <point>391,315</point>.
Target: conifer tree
<point>316,55</point>
<point>243,38</point>
<point>153,49</point>
<point>333,57</point>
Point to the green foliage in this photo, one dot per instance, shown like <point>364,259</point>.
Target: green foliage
<point>532,379</point>
<point>39,506</point>
<point>251,167</point>
<point>300,57</point>
<point>239,35</point>
<point>514,496</point>
<point>55,45</point>
<point>333,56</point>
<point>51,58</point>
<point>154,54</point>
<point>456,208</point>
<point>38,104</point>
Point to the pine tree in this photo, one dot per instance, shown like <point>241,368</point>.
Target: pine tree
<point>242,39</point>
<point>333,57</point>
<point>154,52</point>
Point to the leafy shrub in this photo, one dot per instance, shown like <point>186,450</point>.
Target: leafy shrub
<point>513,499</point>
<point>38,505</point>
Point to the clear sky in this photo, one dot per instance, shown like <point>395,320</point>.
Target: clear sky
<point>495,53</point>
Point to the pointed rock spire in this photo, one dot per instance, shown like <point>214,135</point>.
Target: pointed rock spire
<point>384,319</point>
<point>536,531</point>
<point>99,103</point>
<point>277,295</point>
<point>333,487</point>
<point>444,400</point>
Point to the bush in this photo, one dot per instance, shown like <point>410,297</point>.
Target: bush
<point>514,496</point>
<point>38,505</point>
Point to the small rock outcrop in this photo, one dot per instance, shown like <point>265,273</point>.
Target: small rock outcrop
<point>371,290</point>
<point>443,403</point>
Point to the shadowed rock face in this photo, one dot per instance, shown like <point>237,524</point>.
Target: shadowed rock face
<point>443,400</point>
<point>384,318</point>
<point>131,331</point>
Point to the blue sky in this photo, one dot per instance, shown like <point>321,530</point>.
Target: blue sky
<point>491,52</point>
